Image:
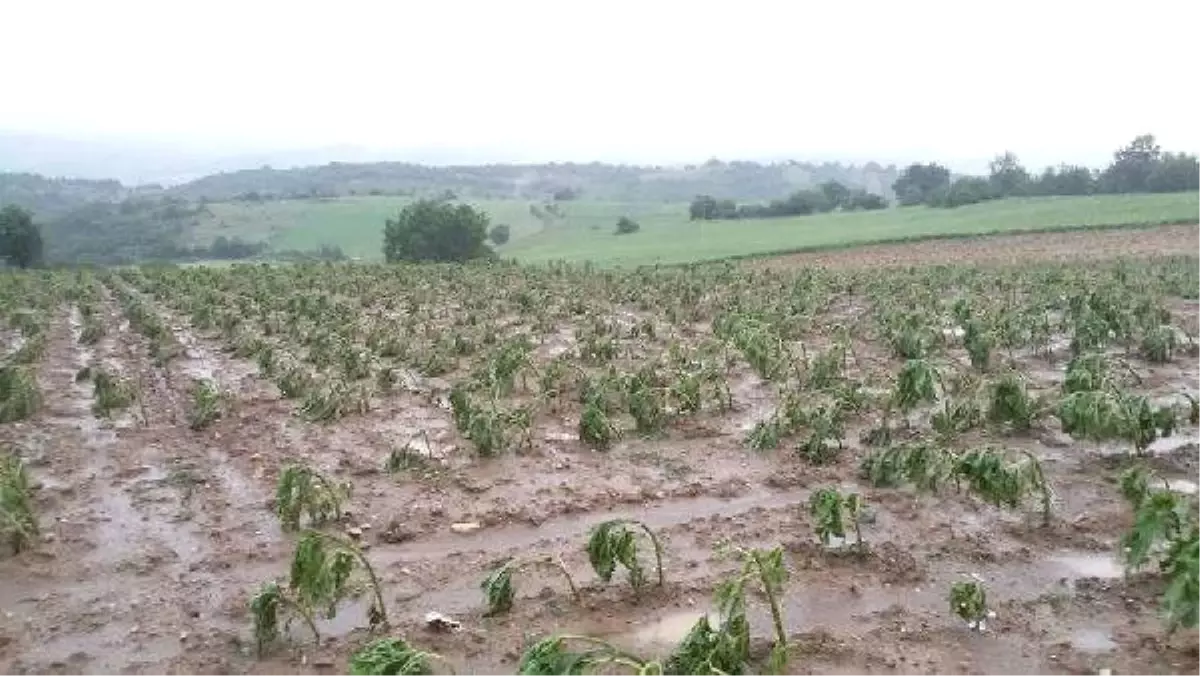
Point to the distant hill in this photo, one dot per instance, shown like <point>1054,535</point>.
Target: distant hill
<point>51,196</point>
<point>739,180</point>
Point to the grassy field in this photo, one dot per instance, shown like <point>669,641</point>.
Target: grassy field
<point>585,232</point>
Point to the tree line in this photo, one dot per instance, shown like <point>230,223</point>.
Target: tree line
<point>829,196</point>
<point>1140,167</point>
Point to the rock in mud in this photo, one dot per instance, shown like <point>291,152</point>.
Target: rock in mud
<point>396,532</point>
<point>465,527</point>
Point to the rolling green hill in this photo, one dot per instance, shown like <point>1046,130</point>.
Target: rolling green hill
<point>584,231</point>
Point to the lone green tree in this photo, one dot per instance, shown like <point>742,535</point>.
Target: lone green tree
<point>921,183</point>
<point>20,239</point>
<point>499,234</point>
<point>627,226</point>
<point>436,230</point>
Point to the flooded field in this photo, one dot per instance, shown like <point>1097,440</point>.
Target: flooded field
<point>482,415</point>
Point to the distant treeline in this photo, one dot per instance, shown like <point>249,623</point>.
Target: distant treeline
<point>829,196</point>
<point>1140,167</point>
<point>143,229</point>
<point>539,182</point>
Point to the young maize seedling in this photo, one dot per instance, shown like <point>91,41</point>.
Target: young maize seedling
<point>705,649</point>
<point>1135,485</point>
<point>391,657</point>
<point>1010,402</point>
<point>207,404</point>
<point>335,399</point>
<point>19,394</point>
<point>595,427</point>
<point>265,609</point>
<point>646,402</point>
<point>1162,516</point>
<point>968,600</point>
<point>915,385</point>
<point>304,490</point>
<point>766,567</point>
<point>825,426</point>
<point>1086,373</point>
<point>110,392</point>
<point>407,456</point>
<point>615,542</point>
<point>1181,565</point>
<point>498,586</point>
<point>550,656</point>
<point>321,569</point>
<point>979,343</point>
<point>18,523</point>
<point>1159,344</point>
<point>830,509</point>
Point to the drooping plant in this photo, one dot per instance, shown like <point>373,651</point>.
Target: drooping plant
<point>320,575</point>
<point>915,385</point>
<point>498,586</point>
<point>551,656</point>
<point>614,543</point>
<point>303,490</point>
<point>830,510</point>
<point>391,656</point>
<point>1181,565</point>
<point>19,394</point>
<point>825,426</point>
<point>110,393</point>
<point>207,404</point>
<point>1160,517</point>
<point>267,608</point>
<point>18,521</point>
<point>765,568</point>
<point>968,600</point>
<point>1010,402</point>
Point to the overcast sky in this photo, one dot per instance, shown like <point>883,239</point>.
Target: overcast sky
<point>649,80</point>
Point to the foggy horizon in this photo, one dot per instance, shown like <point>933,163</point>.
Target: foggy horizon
<point>664,84</point>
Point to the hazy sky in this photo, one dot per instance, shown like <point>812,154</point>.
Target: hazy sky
<point>650,80</point>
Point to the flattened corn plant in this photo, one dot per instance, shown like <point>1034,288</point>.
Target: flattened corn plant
<point>968,600</point>
<point>208,404</point>
<point>391,656</point>
<point>552,655</point>
<point>302,490</point>
<point>1165,522</point>
<point>830,510</point>
<point>498,588</point>
<point>614,543</point>
<point>109,392</point>
<point>319,580</point>
<point>714,645</point>
<point>990,474</point>
<point>19,394</point>
<point>18,522</point>
<point>766,570</point>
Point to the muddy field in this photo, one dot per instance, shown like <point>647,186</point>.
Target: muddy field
<point>154,536</point>
<point>1004,249</point>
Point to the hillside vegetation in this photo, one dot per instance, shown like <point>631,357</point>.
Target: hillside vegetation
<point>594,181</point>
<point>569,211</point>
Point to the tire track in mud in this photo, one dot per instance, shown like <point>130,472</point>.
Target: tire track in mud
<point>147,554</point>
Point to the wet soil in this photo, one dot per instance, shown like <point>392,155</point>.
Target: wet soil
<point>155,535</point>
<point>1001,249</point>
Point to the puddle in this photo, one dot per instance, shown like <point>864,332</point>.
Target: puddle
<point>666,631</point>
<point>661,515</point>
<point>1182,486</point>
<point>1089,565</point>
<point>1092,641</point>
<point>1168,445</point>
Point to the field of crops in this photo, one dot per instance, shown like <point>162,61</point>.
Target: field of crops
<point>717,469</point>
<point>583,231</point>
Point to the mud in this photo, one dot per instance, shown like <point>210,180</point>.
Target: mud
<point>155,535</point>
